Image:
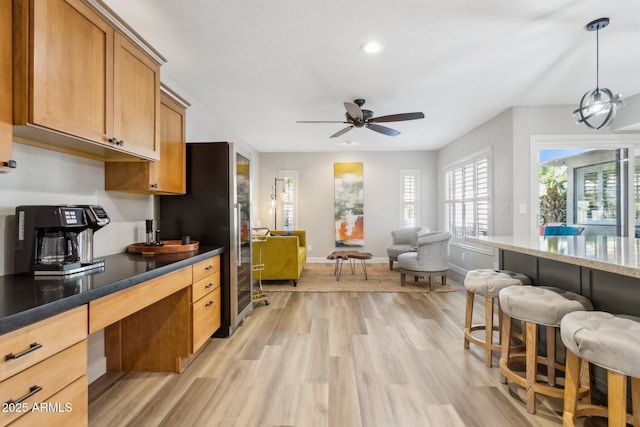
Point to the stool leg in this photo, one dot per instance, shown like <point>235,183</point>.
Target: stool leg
<point>551,356</point>
<point>585,382</point>
<point>531,365</point>
<point>635,400</point>
<point>488,329</point>
<point>499,322</point>
<point>617,397</point>
<point>468,315</point>
<point>504,343</point>
<point>572,372</point>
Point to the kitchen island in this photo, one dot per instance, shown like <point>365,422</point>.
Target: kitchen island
<point>606,269</point>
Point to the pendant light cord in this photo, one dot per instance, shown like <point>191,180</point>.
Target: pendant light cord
<point>597,60</point>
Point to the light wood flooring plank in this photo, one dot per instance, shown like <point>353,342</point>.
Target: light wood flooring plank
<point>331,359</point>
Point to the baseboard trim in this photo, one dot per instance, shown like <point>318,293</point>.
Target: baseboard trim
<point>97,369</point>
<point>324,260</point>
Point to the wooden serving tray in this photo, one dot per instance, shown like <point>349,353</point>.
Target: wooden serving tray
<point>168,247</point>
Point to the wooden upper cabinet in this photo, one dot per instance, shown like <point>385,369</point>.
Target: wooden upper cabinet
<point>6,100</point>
<point>166,176</point>
<point>79,80</point>
<point>136,99</point>
<point>169,174</point>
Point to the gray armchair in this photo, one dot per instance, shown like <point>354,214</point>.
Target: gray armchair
<point>404,240</point>
<point>430,260</point>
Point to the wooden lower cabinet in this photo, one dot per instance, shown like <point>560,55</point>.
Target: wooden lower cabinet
<point>69,407</point>
<point>206,318</point>
<point>43,372</point>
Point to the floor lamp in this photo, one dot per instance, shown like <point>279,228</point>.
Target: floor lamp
<point>274,200</point>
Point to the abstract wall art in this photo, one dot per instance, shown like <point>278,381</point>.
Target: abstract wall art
<point>349,204</point>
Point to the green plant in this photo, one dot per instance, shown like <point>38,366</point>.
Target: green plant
<point>553,203</point>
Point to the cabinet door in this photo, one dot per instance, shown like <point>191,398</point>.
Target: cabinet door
<point>169,175</point>
<point>6,100</point>
<point>136,99</point>
<point>71,67</point>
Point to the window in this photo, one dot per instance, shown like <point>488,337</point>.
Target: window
<point>467,192</point>
<point>597,195</point>
<point>408,198</point>
<point>289,200</point>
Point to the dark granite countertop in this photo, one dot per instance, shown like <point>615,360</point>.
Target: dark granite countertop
<point>26,299</point>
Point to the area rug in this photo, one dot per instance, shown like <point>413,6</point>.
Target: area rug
<point>320,278</point>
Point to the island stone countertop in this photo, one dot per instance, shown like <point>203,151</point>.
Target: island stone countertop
<point>620,255</point>
<point>26,299</point>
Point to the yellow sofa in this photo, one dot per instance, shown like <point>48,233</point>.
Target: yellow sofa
<point>284,255</point>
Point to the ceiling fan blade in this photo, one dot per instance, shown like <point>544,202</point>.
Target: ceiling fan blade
<point>383,129</point>
<point>320,121</point>
<point>354,111</point>
<point>341,132</point>
<point>397,117</point>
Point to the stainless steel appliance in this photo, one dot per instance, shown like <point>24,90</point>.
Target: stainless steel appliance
<point>216,212</point>
<point>56,240</point>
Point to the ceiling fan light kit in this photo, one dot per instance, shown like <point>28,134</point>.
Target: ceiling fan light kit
<point>598,106</point>
<point>358,117</point>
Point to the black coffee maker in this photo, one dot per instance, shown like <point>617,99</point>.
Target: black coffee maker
<point>47,239</point>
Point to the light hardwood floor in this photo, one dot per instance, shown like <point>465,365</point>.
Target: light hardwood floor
<point>330,359</point>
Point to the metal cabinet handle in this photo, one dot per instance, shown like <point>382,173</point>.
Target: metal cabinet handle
<point>209,304</point>
<point>208,286</point>
<point>10,164</point>
<point>116,141</point>
<point>32,390</point>
<point>208,267</point>
<point>32,347</point>
<point>154,186</point>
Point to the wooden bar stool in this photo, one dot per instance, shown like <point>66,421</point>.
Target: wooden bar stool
<point>544,306</point>
<point>487,284</point>
<point>613,343</point>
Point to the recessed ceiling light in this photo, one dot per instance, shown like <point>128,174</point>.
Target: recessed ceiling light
<point>371,47</point>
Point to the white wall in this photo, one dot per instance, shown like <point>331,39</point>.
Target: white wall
<point>496,134</point>
<point>316,194</point>
<point>48,177</point>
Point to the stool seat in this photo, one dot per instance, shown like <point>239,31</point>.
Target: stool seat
<point>543,305</point>
<point>487,282</point>
<point>609,341</point>
<point>538,306</point>
<point>613,343</point>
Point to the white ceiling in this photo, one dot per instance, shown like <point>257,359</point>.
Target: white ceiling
<point>255,67</point>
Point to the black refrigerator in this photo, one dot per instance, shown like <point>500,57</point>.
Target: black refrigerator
<point>216,212</point>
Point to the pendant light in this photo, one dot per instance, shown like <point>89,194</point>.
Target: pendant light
<point>598,106</point>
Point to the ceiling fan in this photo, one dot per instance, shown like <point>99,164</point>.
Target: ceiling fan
<point>358,117</point>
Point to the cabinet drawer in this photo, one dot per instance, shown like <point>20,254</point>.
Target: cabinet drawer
<point>204,286</point>
<point>205,268</point>
<point>205,315</point>
<point>68,407</point>
<point>42,381</point>
<point>29,345</point>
